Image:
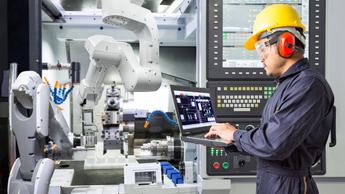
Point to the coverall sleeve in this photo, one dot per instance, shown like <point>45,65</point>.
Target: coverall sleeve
<point>303,107</point>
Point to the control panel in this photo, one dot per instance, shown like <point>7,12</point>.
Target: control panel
<point>222,162</point>
<point>239,84</point>
<point>240,98</point>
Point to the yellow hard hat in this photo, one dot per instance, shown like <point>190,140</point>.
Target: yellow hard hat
<point>273,16</point>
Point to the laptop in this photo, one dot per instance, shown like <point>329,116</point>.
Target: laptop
<point>195,115</point>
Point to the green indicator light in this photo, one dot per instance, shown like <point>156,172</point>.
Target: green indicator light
<point>225,165</point>
<point>216,152</point>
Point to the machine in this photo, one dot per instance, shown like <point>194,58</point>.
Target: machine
<point>40,131</point>
<point>38,125</point>
<point>137,76</point>
<point>122,156</point>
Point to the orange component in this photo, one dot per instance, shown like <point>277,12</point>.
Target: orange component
<point>56,84</point>
<point>46,80</point>
<point>146,124</point>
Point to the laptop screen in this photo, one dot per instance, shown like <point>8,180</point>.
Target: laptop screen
<point>193,108</point>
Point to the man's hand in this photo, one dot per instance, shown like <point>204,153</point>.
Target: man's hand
<point>222,130</point>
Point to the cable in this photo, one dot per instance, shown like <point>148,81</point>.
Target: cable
<point>165,116</point>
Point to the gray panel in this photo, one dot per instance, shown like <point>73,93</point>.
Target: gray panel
<point>335,75</point>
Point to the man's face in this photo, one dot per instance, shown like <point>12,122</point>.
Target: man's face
<point>268,55</point>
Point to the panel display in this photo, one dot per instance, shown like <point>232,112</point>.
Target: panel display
<point>230,24</point>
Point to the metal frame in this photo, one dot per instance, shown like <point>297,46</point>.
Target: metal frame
<point>4,44</point>
<point>317,34</point>
<point>25,37</point>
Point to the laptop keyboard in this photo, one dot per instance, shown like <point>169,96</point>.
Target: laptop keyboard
<point>202,136</point>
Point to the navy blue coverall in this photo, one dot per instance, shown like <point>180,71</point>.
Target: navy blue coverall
<point>293,132</point>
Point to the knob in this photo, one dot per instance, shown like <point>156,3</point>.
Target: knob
<point>249,127</point>
<point>241,163</point>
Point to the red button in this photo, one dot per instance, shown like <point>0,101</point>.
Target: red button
<point>216,165</point>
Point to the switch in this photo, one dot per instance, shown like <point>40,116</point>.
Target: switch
<point>241,163</point>
<point>216,165</point>
<point>225,165</point>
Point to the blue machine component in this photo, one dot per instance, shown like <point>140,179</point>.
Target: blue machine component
<point>172,173</point>
<point>165,116</point>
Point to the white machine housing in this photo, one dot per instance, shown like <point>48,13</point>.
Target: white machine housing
<point>104,52</point>
<point>145,173</point>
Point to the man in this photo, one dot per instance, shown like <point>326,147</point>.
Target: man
<point>294,126</point>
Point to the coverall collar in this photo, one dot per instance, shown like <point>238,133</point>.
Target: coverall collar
<point>294,69</point>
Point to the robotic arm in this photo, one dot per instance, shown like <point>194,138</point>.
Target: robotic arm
<point>104,52</point>
<point>34,120</point>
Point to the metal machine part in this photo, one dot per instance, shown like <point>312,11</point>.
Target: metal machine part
<point>88,126</point>
<point>112,119</point>
<point>85,141</point>
<point>11,139</point>
<point>168,149</point>
<point>112,100</point>
<point>73,68</point>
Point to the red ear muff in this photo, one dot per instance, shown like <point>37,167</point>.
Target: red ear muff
<point>286,44</point>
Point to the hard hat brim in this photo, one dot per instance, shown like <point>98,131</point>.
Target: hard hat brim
<point>250,42</point>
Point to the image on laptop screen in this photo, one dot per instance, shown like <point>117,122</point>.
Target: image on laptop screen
<point>194,109</point>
